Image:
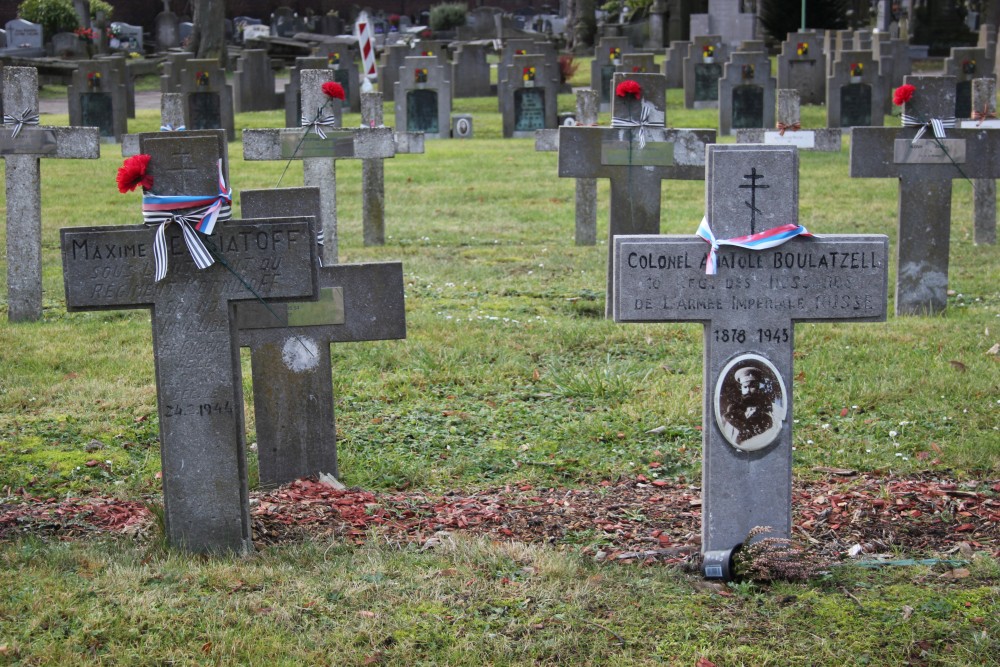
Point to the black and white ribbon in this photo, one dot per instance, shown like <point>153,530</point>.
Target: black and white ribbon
<point>645,120</point>
<point>26,117</point>
<point>318,124</point>
<point>937,125</point>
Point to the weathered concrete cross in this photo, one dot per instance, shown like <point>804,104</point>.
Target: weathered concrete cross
<point>586,188</point>
<point>373,170</point>
<point>925,169</point>
<point>789,131</point>
<point>319,155</point>
<point>198,387</point>
<point>635,173</point>
<point>22,144</point>
<point>748,310</point>
<point>984,190</point>
<point>290,347</point>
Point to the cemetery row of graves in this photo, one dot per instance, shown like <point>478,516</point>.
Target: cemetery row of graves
<point>459,353</point>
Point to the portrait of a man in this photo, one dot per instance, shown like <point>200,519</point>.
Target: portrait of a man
<point>750,403</point>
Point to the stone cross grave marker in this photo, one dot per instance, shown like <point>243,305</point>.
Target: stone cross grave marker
<point>984,190</point>
<point>925,168</point>
<point>748,309</point>
<point>965,64</point>
<point>528,96</point>
<point>423,97</point>
<point>802,66</point>
<point>702,71</point>
<point>373,170</point>
<point>22,143</point>
<point>635,173</point>
<point>97,99</point>
<point>293,89</point>
<point>290,353</point>
<point>198,387</point>
<point>587,101</point>
<point>171,120</point>
<point>789,131</point>
<point>319,154</point>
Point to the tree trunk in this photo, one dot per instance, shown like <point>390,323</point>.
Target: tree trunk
<point>585,26</point>
<point>208,39</point>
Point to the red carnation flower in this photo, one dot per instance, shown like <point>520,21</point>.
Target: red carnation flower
<point>903,94</point>
<point>627,87</point>
<point>133,173</point>
<point>334,90</point>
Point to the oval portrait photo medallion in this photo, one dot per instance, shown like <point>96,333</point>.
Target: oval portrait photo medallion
<point>750,402</point>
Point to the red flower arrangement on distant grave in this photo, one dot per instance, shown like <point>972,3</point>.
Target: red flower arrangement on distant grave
<point>132,173</point>
<point>628,87</point>
<point>903,94</point>
<point>334,90</point>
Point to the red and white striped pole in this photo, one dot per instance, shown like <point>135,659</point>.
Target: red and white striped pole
<point>363,31</point>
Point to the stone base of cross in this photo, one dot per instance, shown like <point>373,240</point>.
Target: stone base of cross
<point>748,310</point>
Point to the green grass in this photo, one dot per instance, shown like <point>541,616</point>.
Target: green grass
<point>508,374</point>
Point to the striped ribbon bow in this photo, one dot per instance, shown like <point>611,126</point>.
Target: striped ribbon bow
<point>760,241</point>
<point>646,119</point>
<point>320,122</point>
<point>937,125</point>
<point>26,117</point>
<point>167,127</point>
<point>792,127</point>
<point>193,214</point>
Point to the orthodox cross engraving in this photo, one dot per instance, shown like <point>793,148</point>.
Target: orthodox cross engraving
<point>752,204</point>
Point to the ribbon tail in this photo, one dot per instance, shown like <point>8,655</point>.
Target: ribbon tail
<point>160,251</point>
<point>199,253</point>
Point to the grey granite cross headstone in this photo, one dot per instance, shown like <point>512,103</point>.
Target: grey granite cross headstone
<point>984,190</point>
<point>925,169</point>
<point>373,170</point>
<point>198,387</point>
<point>635,174</point>
<point>319,155</point>
<point>788,132</point>
<point>290,349</point>
<point>587,102</point>
<point>748,310</point>
<point>24,195</point>
<point>171,119</point>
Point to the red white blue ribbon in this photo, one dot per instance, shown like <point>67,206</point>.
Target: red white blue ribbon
<point>26,117</point>
<point>937,125</point>
<point>760,241</point>
<point>194,214</point>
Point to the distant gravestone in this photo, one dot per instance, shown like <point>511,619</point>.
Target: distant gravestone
<point>528,96</point>
<point>208,98</point>
<point>544,56</point>
<point>253,82</point>
<point>586,188</point>
<point>293,89</point>
<point>854,95</point>
<point>966,64</point>
<point>635,155</point>
<point>607,59</point>
<point>748,308</point>
<point>388,69</point>
<point>166,28</point>
<point>673,64</point>
<point>252,33</point>
<point>789,132</point>
<point>925,168</point>
<point>423,97</point>
<point>340,59</point>
<point>171,120</point>
<point>373,170</point>
<point>702,71</point>
<point>97,98</point>
<point>125,37</point>
<point>319,153</point>
<point>22,143</point>
<point>198,387</point>
<point>984,116</point>
<point>470,73</point>
<point>172,70</point>
<point>638,63</point>
<point>746,92</point>
<point>802,66</point>
<point>24,39</point>
<point>290,347</point>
